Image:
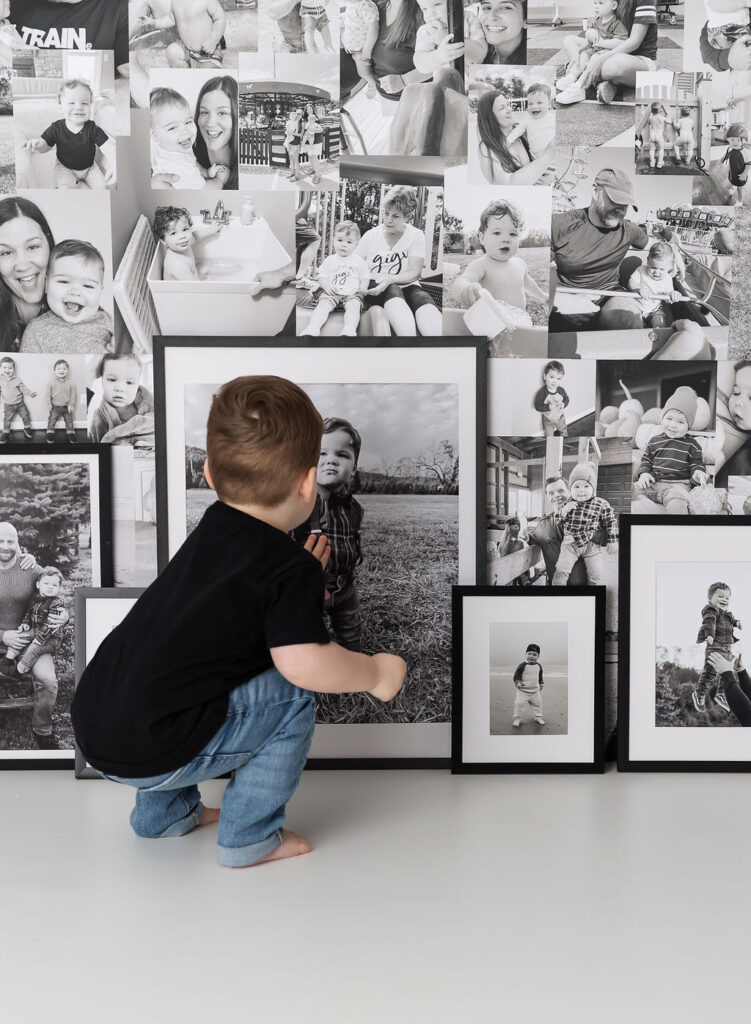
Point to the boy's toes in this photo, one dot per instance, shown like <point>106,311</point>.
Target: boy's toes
<point>291,845</point>
<point>209,816</point>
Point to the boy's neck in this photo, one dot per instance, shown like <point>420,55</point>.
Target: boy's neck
<point>281,517</point>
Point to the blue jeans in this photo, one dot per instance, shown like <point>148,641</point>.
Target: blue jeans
<point>264,743</point>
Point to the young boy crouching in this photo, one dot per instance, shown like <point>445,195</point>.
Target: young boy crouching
<point>213,670</point>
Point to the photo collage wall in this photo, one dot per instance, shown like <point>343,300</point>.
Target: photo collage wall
<point>562,181</point>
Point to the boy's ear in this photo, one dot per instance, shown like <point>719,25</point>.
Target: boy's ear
<point>309,483</point>
<point>207,475</point>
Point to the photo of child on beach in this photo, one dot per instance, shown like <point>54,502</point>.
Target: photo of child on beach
<point>529,678</point>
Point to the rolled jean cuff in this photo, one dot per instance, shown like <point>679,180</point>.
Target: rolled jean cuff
<point>184,825</point>
<point>242,856</point>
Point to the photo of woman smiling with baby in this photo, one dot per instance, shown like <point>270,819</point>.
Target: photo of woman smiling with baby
<point>55,290</point>
<point>194,130</point>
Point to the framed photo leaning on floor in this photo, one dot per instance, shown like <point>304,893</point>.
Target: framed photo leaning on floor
<point>684,693</point>
<point>528,679</point>
<point>55,536</point>
<point>411,411</point>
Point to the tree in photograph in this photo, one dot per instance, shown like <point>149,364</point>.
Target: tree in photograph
<point>441,463</point>
<point>49,506</point>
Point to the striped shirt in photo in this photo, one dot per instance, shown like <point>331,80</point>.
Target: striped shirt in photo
<point>671,458</point>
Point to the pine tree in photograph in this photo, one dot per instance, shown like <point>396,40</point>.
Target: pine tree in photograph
<point>49,506</point>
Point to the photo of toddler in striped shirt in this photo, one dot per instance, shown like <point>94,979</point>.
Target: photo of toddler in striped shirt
<point>672,462</point>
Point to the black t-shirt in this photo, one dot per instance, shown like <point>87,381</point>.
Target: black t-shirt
<point>156,690</point>
<point>86,25</point>
<point>75,150</point>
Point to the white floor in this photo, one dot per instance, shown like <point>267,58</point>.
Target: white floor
<point>427,898</point>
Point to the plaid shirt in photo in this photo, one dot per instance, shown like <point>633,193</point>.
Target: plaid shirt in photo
<point>339,517</point>
<point>581,521</point>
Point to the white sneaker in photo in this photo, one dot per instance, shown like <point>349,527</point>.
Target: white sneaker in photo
<point>566,82</point>
<point>572,95</point>
<point>540,721</point>
<point>516,724</point>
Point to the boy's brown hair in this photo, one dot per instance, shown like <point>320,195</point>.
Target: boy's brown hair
<point>263,433</point>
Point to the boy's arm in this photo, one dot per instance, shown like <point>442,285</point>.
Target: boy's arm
<point>73,402</point>
<point>634,282</point>
<point>531,286</point>
<point>541,397</point>
<point>216,12</point>
<point>564,395</point>
<point>371,38</point>
<point>37,145</point>
<point>519,672</point>
<point>181,271</point>
<point>329,668</point>
<point>609,521</point>
<point>708,624</point>
<point>26,391</point>
<point>516,133</point>
<point>107,156</point>
<point>475,43</point>
<point>696,461</point>
<point>647,459</point>
<point>466,287</point>
<point>542,678</point>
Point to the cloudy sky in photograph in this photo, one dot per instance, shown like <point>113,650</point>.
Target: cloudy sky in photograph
<point>394,420</point>
<point>508,644</point>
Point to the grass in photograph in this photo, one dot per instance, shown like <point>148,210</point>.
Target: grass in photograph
<point>674,706</point>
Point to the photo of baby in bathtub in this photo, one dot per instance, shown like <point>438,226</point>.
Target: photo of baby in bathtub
<point>174,228</point>
<point>194,130</point>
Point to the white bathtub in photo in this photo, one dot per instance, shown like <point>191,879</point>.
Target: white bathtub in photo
<point>225,301</point>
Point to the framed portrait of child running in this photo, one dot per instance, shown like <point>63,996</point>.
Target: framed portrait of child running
<point>528,679</point>
<point>684,692</point>
<point>55,536</point>
<point>98,611</point>
<point>403,511</point>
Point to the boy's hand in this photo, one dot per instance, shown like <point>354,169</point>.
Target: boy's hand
<point>109,177</point>
<point>317,544</point>
<point>701,477</point>
<point>568,507</point>
<point>468,296</point>
<point>33,145</point>
<point>612,547</point>
<point>676,296</point>
<point>644,481</point>
<point>449,51</point>
<point>592,36</point>
<point>391,672</point>
<point>708,639</point>
<point>221,172</point>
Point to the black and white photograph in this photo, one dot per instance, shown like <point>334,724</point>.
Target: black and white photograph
<point>684,689</point>
<point>529,681</point>
<point>407,98</point>
<point>634,276</point>
<point>56,272</point>
<point>298,27</point>
<point>66,119</point>
<point>44,397</point>
<point>205,36</point>
<point>670,416</point>
<point>496,268</point>
<point>54,537</point>
<point>597,51</point>
<point>225,270</point>
<point>371,259</point>
<point>120,396</point>
<point>194,130</point>
<point>7,140</point>
<point>739,495</point>
<point>512,126</point>
<point>290,134</point>
<point>98,611</point>
<point>541,397</point>
<point>527,695</point>
<point>673,122</point>
<point>407,483</point>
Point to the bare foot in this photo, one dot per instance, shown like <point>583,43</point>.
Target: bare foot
<point>291,846</point>
<point>209,816</point>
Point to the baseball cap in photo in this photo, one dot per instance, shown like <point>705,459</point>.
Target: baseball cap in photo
<point>617,185</point>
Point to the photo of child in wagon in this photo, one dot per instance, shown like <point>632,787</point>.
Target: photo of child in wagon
<point>388,504</point>
<point>528,679</point>
<point>399,244</point>
<point>497,265</point>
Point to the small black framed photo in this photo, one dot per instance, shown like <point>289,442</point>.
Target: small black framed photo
<point>528,679</point>
<point>684,692</point>
<point>55,536</point>
<point>98,611</point>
